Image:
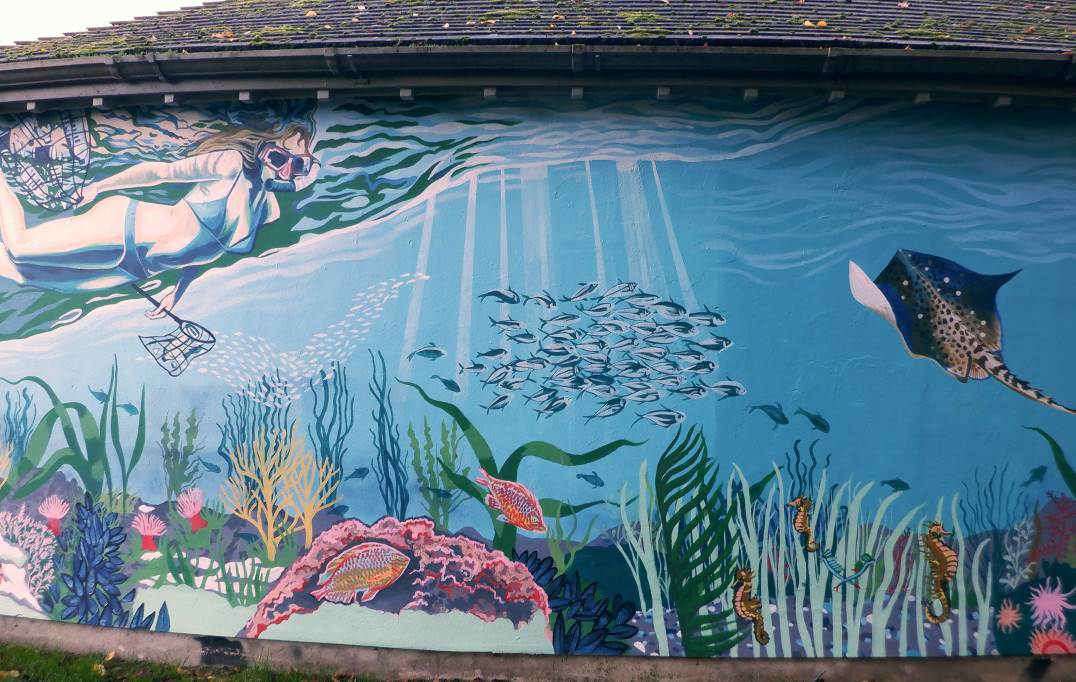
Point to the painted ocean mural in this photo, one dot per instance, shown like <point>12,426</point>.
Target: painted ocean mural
<point>613,376</point>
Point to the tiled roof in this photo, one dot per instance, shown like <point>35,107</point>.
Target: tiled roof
<point>1010,25</point>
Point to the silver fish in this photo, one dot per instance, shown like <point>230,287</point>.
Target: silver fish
<point>692,392</point>
<point>663,418</point>
<point>624,345</point>
<point>650,353</point>
<point>609,408</point>
<point>498,374</point>
<point>525,337</point>
<point>600,310</point>
<point>620,290</point>
<point>493,354</point>
<point>557,349</point>
<point>666,367</point>
<point>600,391</point>
<point>542,395</point>
<point>545,299</point>
<point>499,402</point>
<point>637,314</point>
<point>474,367</point>
<point>509,325</point>
<point>669,310</point>
<point>591,345</point>
<point>644,327</point>
<point>661,337</point>
<point>648,395</point>
<point>513,383</point>
<point>447,383</point>
<point>707,318</point>
<point>671,380</point>
<point>704,367</point>
<point>584,291</point>
<point>682,329</point>
<point>641,299</point>
<point>566,334</point>
<point>718,343</point>
<point>726,389</point>
<point>430,352</point>
<point>555,405</point>
<point>502,295</point>
<point>563,320</point>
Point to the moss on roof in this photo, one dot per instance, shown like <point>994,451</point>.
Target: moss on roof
<point>257,24</point>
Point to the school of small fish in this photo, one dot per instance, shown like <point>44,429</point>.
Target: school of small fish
<point>618,349</point>
<point>253,366</point>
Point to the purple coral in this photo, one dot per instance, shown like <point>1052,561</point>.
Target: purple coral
<point>448,573</point>
<point>150,527</point>
<point>54,509</point>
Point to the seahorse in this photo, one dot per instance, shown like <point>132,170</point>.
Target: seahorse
<point>802,524</point>
<point>748,607</point>
<point>942,560</point>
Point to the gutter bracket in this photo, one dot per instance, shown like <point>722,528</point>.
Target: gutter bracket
<point>1070,70</point>
<point>837,62</point>
<point>110,64</point>
<point>578,55</point>
<point>156,66</point>
<point>348,61</point>
<point>332,61</point>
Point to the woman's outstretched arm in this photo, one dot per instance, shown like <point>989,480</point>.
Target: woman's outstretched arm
<point>186,276</point>
<point>208,167</point>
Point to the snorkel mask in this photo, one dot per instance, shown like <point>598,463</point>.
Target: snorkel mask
<point>292,172</point>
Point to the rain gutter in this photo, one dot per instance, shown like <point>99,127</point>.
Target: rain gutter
<point>997,77</point>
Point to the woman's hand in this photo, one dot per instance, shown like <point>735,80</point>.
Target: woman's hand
<point>164,308</point>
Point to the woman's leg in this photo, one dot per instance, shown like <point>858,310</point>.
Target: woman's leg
<point>11,217</point>
<point>91,240</point>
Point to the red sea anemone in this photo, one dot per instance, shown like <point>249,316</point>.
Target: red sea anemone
<point>1046,642</point>
<point>54,509</point>
<point>150,527</point>
<point>190,504</point>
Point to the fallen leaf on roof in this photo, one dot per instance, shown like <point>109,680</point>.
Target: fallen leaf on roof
<point>311,13</point>
<point>822,24</point>
<point>902,4</point>
<point>808,23</point>
<point>446,25</point>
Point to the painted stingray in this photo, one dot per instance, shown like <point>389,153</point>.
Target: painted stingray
<point>944,312</point>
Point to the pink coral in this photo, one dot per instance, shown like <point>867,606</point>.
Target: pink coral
<point>38,543</point>
<point>190,505</point>
<point>54,509</point>
<point>150,527</point>
<point>448,573</point>
<point>1048,605</point>
<point>1046,642</point>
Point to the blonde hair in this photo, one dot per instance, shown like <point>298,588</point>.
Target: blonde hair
<point>248,141</point>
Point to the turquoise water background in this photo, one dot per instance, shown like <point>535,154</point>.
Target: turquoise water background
<point>753,210</point>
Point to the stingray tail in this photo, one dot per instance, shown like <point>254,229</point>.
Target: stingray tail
<point>992,363</point>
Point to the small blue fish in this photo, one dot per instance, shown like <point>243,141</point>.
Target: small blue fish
<point>650,353</point>
<point>542,395</point>
<point>339,510</point>
<point>644,327</point>
<point>592,478</point>
<point>601,391</point>
<point>584,291</point>
<point>513,383</point>
<point>248,537</point>
<point>437,492</point>
<point>671,380</point>
<point>817,422</point>
<point>1037,475</point>
<point>682,329</point>
<point>101,396</point>
<point>528,364</point>
<point>557,349</point>
<point>430,352</point>
<point>896,484</point>
<point>525,337</point>
<point>493,354</point>
<point>360,473</point>
<point>648,395</point>
<point>128,408</point>
<point>566,334</point>
<point>692,392</point>
<point>474,367</point>
<point>447,383</point>
<point>502,295</point>
<point>662,337</point>
<point>704,367</point>
<point>213,468</point>
<point>496,375</point>
<point>774,412</point>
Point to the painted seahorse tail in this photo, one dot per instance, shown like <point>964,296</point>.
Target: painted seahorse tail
<point>943,563</point>
<point>802,524</point>
<point>761,635</point>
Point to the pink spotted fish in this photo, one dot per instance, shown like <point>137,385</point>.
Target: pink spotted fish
<point>370,567</point>
<point>517,504</point>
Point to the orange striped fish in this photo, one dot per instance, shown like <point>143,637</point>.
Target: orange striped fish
<point>517,504</point>
<point>369,567</point>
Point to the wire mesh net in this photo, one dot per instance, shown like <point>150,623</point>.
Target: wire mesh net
<point>175,351</point>
<point>47,156</point>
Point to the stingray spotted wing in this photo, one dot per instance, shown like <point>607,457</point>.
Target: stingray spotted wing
<point>944,312</point>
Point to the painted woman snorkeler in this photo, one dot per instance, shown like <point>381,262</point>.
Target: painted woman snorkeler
<point>230,177</point>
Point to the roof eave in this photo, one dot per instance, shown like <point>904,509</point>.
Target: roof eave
<point>163,77</point>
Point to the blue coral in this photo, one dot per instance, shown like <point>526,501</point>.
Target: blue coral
<point>574,604</point>
<point>90,568</point>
